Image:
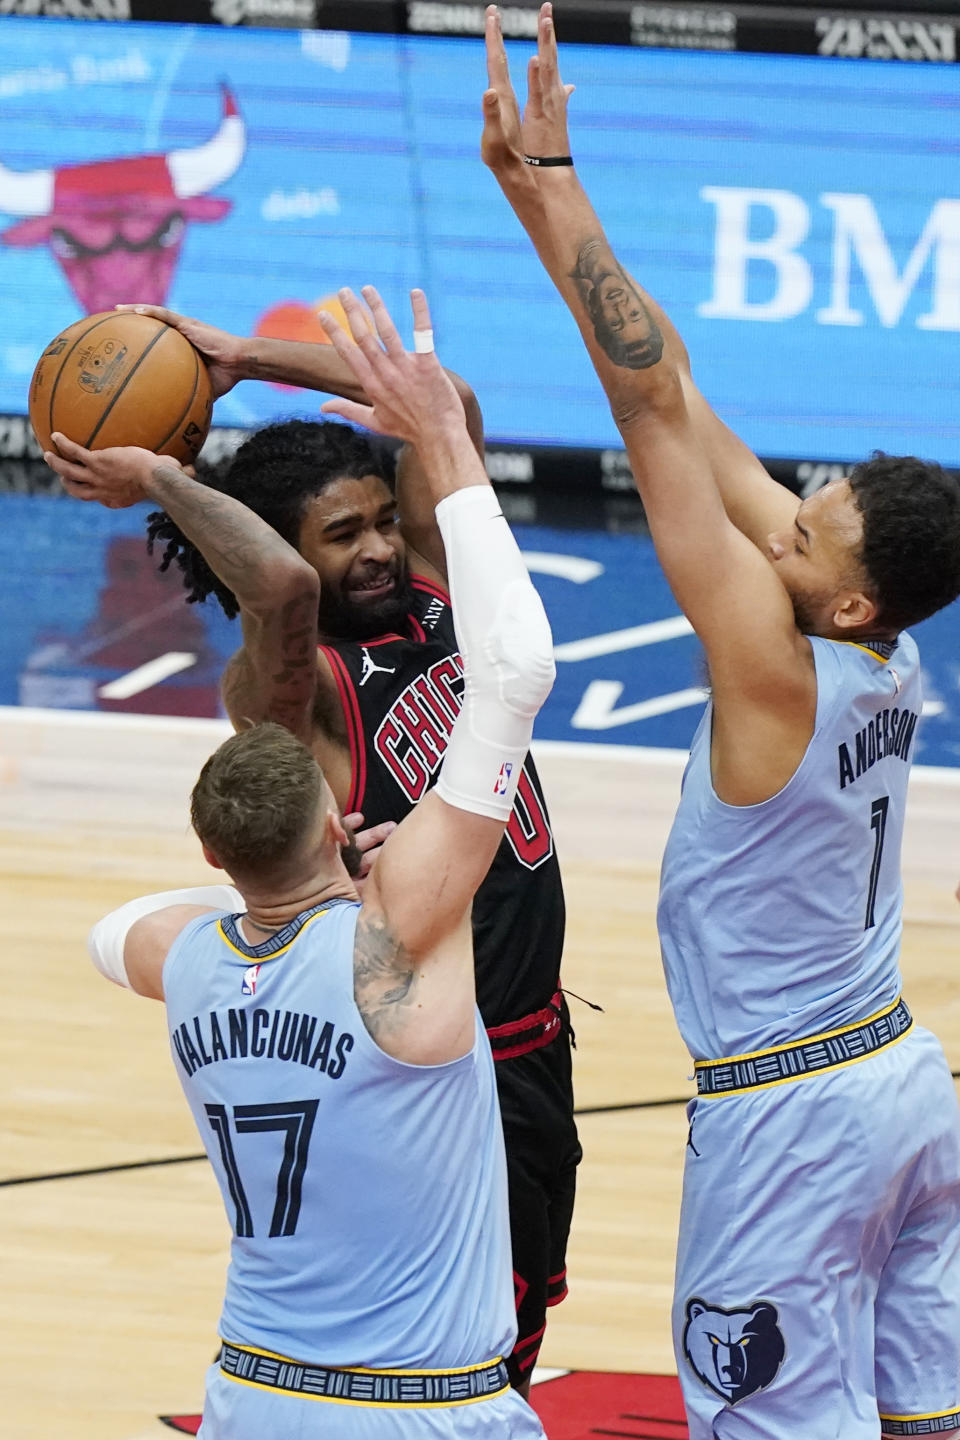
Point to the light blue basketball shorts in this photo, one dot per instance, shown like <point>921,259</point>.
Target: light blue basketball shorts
<point>236,1411</point>
<point>818,1267</point>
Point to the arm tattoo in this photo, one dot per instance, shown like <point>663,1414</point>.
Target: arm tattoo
<point>235,542</point>
<point>383,977</point>
<point>622,324</point>
<point>297,643</point>
<point>247,554</point>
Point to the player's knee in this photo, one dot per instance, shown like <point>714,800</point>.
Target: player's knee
<point>520,648</point>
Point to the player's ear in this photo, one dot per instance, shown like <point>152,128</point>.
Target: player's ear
<point>334,830</point>
<point>854,609</point>
<point>210,858</point>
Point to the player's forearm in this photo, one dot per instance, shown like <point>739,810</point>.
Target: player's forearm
<point>644,377</point>
<point>319,367</point>
<point>598,289</point>
<point>557,215</point>
<point>243,551</point>
<point>296,362</point>
<point>634,347</point>
<point>449,461</point>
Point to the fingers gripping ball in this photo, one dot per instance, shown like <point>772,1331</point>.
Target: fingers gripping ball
<point>122,379</point>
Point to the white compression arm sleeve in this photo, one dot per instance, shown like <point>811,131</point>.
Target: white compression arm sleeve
<point>507,651</point>
<point>108,937</point>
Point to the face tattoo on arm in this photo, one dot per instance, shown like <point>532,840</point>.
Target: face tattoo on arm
<point>622,324</point>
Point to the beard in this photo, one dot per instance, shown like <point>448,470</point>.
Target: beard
<point>343,616</point>
<point>807,612</point>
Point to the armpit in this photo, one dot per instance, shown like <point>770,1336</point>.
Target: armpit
<point>383,977</point>
<point>328,717</point>
<point>238,692</point>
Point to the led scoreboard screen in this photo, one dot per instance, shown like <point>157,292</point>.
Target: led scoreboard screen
<point>798,216</point>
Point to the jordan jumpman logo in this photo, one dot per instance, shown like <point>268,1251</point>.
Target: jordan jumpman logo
<point>369,668</point>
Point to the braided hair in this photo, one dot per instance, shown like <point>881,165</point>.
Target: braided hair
<point>276,473</point>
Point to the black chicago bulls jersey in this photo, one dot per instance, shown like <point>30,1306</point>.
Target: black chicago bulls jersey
<point>400,695</point>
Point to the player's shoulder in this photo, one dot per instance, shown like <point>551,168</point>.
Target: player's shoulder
<point>840,656</point>
<point>431,600</point>
<point>905,648</point>
<point>172,947</point>
<point>425,581</point>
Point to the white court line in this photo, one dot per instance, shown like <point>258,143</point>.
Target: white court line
<point>564,567</point>
<point>616,640</point>
<point>596,750</point>
<point>123,631</point>
<point>147,675</point>
<point>598,708</point>
<point>34,715</point>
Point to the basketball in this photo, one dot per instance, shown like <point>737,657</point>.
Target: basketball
<point>120,378</point>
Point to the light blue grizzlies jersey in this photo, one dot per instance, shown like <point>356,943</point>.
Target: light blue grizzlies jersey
<point>367,1197</point>
<point>782,920</point>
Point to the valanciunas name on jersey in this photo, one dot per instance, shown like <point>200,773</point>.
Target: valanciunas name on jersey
<point>890,732</point>
<point>257,1034</point>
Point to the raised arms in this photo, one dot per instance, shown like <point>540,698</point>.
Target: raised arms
<point>232,358</point>
<point>617,306</point>
<point>275,677</point>
<point>129,946</point>
<point>761,667</point>
<point>413,952</point>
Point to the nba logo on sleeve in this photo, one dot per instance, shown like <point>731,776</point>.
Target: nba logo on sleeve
<point>503,779</point>
<point>249,986</point>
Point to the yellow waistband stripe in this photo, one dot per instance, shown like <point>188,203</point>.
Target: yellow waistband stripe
<point>360,1369</point>
<point>372,1404</point>
<point>797,1044</point>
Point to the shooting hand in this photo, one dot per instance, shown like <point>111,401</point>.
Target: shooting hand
<point>222,352</point>
<point>115,477</point>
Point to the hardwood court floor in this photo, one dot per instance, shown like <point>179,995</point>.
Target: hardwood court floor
<point>111,1282</point>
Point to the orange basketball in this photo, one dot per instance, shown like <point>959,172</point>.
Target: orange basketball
<point>122,379</point>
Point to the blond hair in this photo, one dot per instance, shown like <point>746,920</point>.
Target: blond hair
<point>256,798</point>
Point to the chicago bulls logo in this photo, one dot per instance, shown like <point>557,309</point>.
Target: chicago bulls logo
<point>116,227</point>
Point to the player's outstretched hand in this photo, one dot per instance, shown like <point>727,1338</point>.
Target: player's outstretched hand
<point>411,396</point>
<point>543,129</point>
<point>223,353</point>
<point>115,477</point>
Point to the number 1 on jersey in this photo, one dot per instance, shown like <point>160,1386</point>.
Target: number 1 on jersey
<point>878,824</point>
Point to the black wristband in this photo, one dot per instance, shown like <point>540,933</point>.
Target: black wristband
<point>548,159</point>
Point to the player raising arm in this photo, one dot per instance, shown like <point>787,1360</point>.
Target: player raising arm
<point>332,1052</point>
<point>226,549</point>
<point>818,1269</point>
<point>348,640</point>
<point>761,668</point>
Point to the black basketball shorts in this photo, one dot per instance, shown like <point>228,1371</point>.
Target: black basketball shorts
<point>543,1151</point>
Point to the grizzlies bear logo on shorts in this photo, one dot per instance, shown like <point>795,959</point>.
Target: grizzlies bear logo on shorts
<point>735,1352</point>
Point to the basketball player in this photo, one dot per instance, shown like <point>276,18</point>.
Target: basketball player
<point>818,1274</point>
<point>332,1052</point>
<point>376,707</point>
